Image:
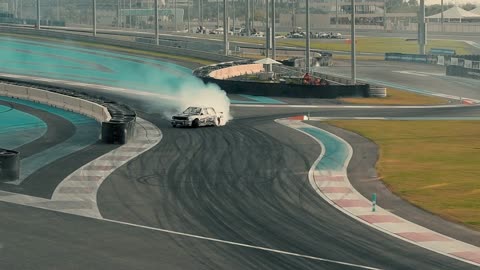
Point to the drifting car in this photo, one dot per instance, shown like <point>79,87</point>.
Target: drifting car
<point>198,116</point>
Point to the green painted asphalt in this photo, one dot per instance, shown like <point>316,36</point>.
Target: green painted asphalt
<point>18,128</point>
<point>92,66</point>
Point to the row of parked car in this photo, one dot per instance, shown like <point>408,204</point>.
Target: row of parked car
<point>242,32</point>
<point>314,35</point>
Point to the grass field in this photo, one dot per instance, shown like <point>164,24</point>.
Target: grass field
<point>398,97</point>
<point>432,164</point>
<point>366,44</point>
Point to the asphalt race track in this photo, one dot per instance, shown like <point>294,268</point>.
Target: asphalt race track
<point>219,198</point>
<point>413,77</point>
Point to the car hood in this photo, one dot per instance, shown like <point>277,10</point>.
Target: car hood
<point>185,114</point>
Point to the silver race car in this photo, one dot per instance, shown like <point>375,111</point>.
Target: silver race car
<point>198,116</point>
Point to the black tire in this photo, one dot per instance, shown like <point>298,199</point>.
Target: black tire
<point>195,123</point>
<point>174,125</point>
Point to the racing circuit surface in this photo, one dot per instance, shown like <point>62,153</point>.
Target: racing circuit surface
<point>235,197</point>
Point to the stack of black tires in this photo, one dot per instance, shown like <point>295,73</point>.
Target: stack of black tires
<point>9,165</point>
<point>121,128</point>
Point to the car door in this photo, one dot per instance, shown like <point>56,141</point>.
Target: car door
<point>211,116</point>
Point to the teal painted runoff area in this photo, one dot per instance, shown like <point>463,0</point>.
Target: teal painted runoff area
<point>336,151</point>
<point>75,118</point>
<point>96,66</point>
<point>18,128</point>
<point>64,61</point>
<point>87,132</point>
<point>257,100</point>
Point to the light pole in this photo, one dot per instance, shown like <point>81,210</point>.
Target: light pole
<point>156,21</point>
<point>336,13</point>
<point>94,7</point>
<point>274,54</point>
<point>200,10</point>
<point>247,20</point>
<point>353,52</point>
<point>218,13</point>
<point>443,29</point>
<point>225,28</point>
<point>38,15</point>
<point>253,14</point>
<point>422,33</point>
<point>175,13</point>
<point>188,16</point>
<point>118,13</point>
<point>267,29</point>
<point>385,15</point>
<point>58,10</point>
<point>130,14</point>
<point>307,24</point>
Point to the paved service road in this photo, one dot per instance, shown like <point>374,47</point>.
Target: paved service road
<point>415,77</point>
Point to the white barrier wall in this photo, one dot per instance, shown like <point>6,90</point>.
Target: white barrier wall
<point>74,104</point>
<point>235,71</point>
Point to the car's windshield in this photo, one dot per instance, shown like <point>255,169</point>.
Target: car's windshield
<point>192,110</point>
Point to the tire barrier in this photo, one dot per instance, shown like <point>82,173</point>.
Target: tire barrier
<point>415,58</point>
<point>377,91</point>
<point>290,90</point>
<point>9,165</point>
<point>121,126</point>
<point>463,72</point>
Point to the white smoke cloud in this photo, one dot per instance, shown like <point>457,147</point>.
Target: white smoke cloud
<point>194,93</point>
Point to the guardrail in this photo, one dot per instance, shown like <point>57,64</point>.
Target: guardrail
<point>85,107</point>
<point>117,120</point>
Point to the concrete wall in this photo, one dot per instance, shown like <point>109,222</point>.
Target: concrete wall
<point>81,106</point>
<point>290,90</point>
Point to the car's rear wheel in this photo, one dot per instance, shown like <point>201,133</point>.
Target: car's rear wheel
<point>195,123</point>
<point>174,125</point>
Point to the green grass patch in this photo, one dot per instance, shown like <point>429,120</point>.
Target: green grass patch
<point>365,44</point>
<point>120,49</point>
<point>432,164</point>
<point>398,97</point>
